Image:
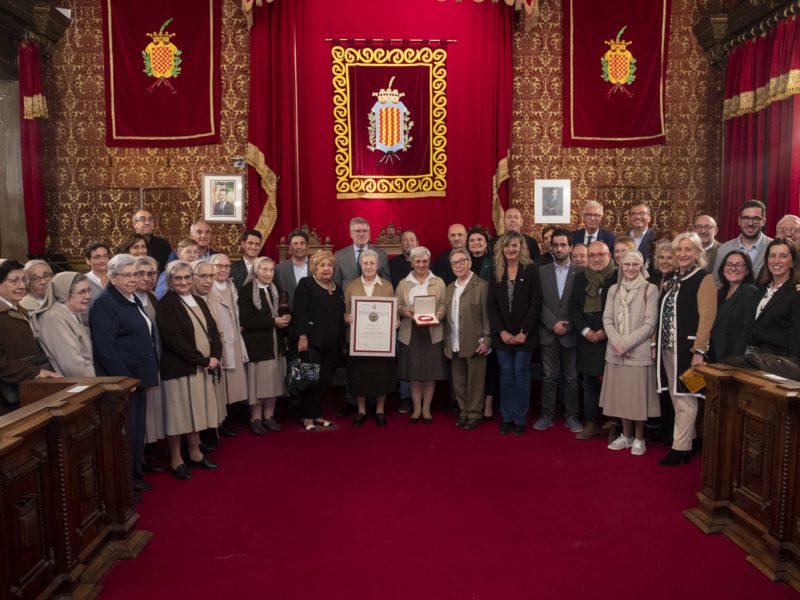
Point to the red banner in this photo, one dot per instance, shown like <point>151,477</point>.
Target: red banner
<point>162,72</point>
<point>615,67</point>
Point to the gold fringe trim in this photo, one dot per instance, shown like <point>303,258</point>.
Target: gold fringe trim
<point>34,107</point>
<point>500,175</point>
<point>779,88</point>
<point>269,183</point>
<point>430,194</point>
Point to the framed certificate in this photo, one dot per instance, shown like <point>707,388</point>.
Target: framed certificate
<point>425,310</point>
<point>372,332</point>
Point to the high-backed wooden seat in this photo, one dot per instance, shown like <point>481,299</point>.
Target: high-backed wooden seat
<point>315,243</point>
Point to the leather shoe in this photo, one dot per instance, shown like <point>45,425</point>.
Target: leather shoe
<point>271,425</point>
<point>427,420</point>
<point>181,472</point>
<point>518,429</point>
<point>505,427</point>
<point>460,421</point>
<point>203,463</point>
<point>225,432</point>
<point>414,420</point>
<point>472,424</point>
<point>151,468</point>
<point>380,419</point>
<point>675,458</point>
<point>347,410</point>
<point>140,485</point>
<point>360,419</point>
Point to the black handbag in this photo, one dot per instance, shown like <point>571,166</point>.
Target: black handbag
<point>302,372</point>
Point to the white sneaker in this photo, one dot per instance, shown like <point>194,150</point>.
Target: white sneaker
<point>621,443</point>
<point>638,448</point>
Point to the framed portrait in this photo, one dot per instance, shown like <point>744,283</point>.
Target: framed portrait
<point>551,200</point>
<point>223,197</point>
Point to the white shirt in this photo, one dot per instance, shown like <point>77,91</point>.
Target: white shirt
<point>638,240</point>
<point>418,289</point>
<point>221,285</point>
<point>369,288</point>
<point>771,289</point>
<point>300,272</point>
<point>94,279</point>
<point>132,299</point>
<point>455,307</point>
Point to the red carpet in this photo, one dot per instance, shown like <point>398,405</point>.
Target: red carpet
<point>430,512</point>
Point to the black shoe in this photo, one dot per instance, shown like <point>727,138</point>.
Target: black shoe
<point>225,432</point>
<point>203,463</point>
<point>675,458</point>
<point>181,472</point>
<point>347,410</point>
<point>360,419</point>
<point>414,420</point>
<point>206,448</point>
<point>518,429</point>
<point>140,485</point>
<point>487,419</point>
<point>380,420</point>
<point>151,468</point>
<point>427,420</point>
<point>506,427</point>
<point>460,421</point>
<point>271,425</point>
<point>472,424</point>
<point>257,427</point>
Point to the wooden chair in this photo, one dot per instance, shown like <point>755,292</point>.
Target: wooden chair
<point>389,240</point>
<point>314,243</point>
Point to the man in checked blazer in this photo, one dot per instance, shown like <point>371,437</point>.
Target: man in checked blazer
<point>346,265</point>
<point>557,338</point>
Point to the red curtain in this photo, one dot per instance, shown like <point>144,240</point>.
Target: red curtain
<point>291,113</point>
<point>762,127</point>
<point>32,108</point>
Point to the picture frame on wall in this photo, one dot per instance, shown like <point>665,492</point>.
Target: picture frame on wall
<point>223,197</point>
<point>551,201</point>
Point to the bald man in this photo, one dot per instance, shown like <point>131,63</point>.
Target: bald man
<point>512,221</point>
<point>457,236</point>
<point>706,229</point>
<point>789,227</point>
<point>200,232</point>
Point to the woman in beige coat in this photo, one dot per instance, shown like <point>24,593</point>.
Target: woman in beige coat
<point>629,383</point>
<point>421,351</point>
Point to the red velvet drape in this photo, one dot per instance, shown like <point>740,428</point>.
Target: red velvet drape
<point>31,109</point>
<point>294,131</point>
<point>762,128</point>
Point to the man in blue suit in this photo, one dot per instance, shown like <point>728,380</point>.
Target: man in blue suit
<point>591,232</point>
<point>639,217</point>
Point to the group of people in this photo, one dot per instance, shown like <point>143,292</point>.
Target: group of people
<point>625,320</point>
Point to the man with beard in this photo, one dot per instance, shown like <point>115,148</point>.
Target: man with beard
<point>751,239</point>
<point>706,229</point>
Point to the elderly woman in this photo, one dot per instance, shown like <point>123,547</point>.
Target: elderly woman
<point>774,341</point>
<point>146,277</point>
<point>133,244</point>
<point>263,330</point>
<point>21,357</point>
<point>369,375</point>
<point>629,382</point>
<point>421,361</point>
<point>737,298</point>
<point>688,309</point>
<point>515,303</point>
<point>124,343</point>
<point>190,352</point>
<point>663,264</point>
<point>57,322</point>
<point>233,386</point>
<point>39,276</point>
<point>318,309</point>
<point>466,335</point>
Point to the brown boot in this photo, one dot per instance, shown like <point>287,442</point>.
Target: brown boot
<point>590,430</point>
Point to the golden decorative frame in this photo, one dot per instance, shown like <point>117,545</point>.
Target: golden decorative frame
<point>434,183</point>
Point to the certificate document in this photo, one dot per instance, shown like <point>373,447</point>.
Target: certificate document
<point>373,332</point>
<point>425,310</point>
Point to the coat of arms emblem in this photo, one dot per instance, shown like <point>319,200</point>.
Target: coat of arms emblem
<point>162,59</point>
<point>619,66</point>
<point>389,124</point>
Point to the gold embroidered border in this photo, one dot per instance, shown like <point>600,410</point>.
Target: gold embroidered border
<point>269,183</point>
<point>500,175</point>
<point>416,186</point>
<point>779,88</point>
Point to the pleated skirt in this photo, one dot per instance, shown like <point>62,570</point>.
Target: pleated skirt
<point>190,404</point>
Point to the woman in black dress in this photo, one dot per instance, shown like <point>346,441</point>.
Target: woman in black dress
<point>736,306</point>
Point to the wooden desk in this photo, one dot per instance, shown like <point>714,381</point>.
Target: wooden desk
<point>66,499</point>
<point>749,488</point>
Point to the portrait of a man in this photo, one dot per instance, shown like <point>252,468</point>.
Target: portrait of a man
<point>553,204</point>
<point>223,207</point>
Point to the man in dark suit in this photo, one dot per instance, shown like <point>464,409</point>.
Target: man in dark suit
<point>591,232</point>
<point>144,223</point>
<point>347,267</point>
<point>639,218</point>
<point>222,207</point>
<point>557,338</point>
<point>290,271</point>
<point>250,242</point>
<point>400,265</point>
<point>512,221</point>
<point>586,306</point>
<point>457,236</point>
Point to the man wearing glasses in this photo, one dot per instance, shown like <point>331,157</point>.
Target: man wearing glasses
<point>591,232</point>
<point>789,227</point>
<point>751,239</point>
<point>144,223</point>
<point>706,229</point>
<point>347,266</point>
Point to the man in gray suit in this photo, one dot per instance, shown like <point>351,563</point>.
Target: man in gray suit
<point>290,271</point>
<point>347,267</point>
<point>557,339</point>
<point>751,240</point>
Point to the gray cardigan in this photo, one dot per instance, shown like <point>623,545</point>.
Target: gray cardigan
<point>644,314</point>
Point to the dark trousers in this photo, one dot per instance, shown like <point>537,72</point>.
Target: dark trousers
<point>137,412</point>
<point>591,398</point>
<point>558,360</point>
<point>311,397</point>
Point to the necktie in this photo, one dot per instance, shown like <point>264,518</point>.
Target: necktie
<point>358,260</point>
<point>589,240</point>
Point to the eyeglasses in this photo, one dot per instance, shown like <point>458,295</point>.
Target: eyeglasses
<point>458,262</point>
<point>145,220</point>
<point>786,230</point>
<point>205,276</point>
<point>126,275</point>
<point>181,277</point>
<point>86,292</point>
<point>735,266</point>
<point>222,267</point>
<point>146,273</point>
<point>37,278</point>
<point>359,231</point>
<point>705,227</point>
<point>641,213</point>
<point>751,219</point>
<point>596,255</point>
<point>592,216</point>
